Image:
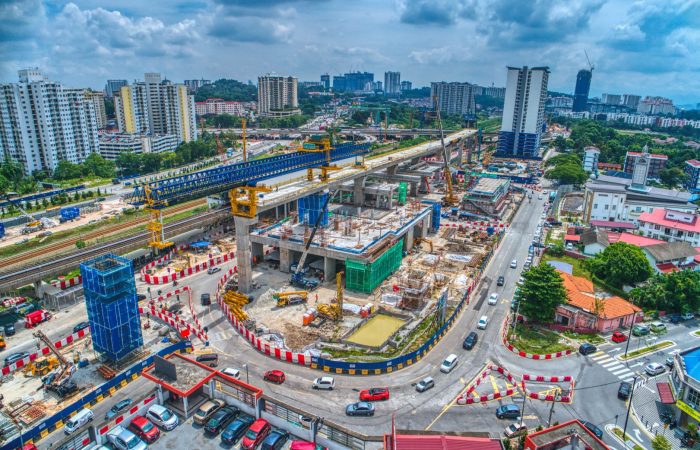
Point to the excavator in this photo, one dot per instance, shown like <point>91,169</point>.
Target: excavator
<point>288,298</point>
<point>33,224</point>
<point>58,380</point>
<point>334,311</point>
<point>42,366</point>
<point>418,241</point>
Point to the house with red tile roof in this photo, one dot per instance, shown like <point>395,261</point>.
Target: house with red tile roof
<point>587,310</point>
<point>671,226</point>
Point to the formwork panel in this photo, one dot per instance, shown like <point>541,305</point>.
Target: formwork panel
<point>112,306</point>
<point>365,278</point>
<point>310,207</point>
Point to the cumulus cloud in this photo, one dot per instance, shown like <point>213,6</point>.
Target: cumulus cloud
<point>433,12</point>
<point>439,55</point>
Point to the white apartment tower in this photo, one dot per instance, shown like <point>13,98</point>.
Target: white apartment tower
<point>98,99</point>
<point>42,123</point>
<point>277,96</point>
<point>157,107</point>
<point>392,82</point>
<point>454,98</point>
<point>523,112</point>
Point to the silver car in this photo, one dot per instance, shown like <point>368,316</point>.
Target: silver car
<point>123,439</point>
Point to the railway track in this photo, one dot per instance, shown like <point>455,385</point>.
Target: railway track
<point>70,242</point>
<point>37,271</point>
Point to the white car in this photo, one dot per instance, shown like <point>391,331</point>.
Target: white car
<point>653,369</point>
<point>514,264</point>
<point>515,429</point>
<point>448,364</point>
<point>482,323</point>
<point>324,383</point>
<point>230,371</point>
<point>521,280</point>
<point>162,416</point>
<point>493,299</point>
<point>539,197</point>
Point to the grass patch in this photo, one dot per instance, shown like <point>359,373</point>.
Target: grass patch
<point>696,333</point>
<point>185,214</point>
<point>577,264</point>
<point>537,340</point>
<point>618,433</point>
<point>591,338</point>
<point>645,350</point>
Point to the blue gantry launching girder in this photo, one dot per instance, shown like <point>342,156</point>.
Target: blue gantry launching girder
<point>205,182</point>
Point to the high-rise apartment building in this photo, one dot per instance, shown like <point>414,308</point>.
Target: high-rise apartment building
<point>194,85</point>
<point>277,96</point>
<point>453,98</point>
<point>359,82</point>
<point>157,107</point>
<point>392,82</point>
<point>42,123</point>
<point>656,105</point>
<point>406,86</point>
<point>612,99</point>
<point>98,99</point>
<point>340,84</point>
<point>326,81</point>
<point>631,101</point>
<point>523,111</point>
<point>583,87</point>
<point>692,171</point>
<point>113,86</point>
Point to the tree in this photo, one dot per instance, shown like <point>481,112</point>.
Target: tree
<point>129,163</point>
<point>674,292</point>
<point>66,170</point>
<point>5,184</point>
<point>567,173</point>
<point>541,292</point>
<point>80,244</point>
<point>96,165</point>
<point>672,177</point>
<point>660,443</point>
<point>620,264</point>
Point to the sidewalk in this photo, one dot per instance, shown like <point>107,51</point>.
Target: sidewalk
<point>646,409</point>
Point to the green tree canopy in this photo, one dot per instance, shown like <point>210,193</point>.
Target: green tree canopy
<point>541,292</point>
<point>96,165</point>
<point>620,264</point>
<point>227,89</point>
<point>660,443</point>
<point>66,170</point>
<point>672,177</point>
<point>674,292</point>
<point>567,173</point>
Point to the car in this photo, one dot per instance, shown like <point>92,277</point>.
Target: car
<point>275,440</point>
<point>163,417</point>
<point>514,430</point>
<point>212,270</point>
<point>501,281</point>
<point>425,384</point>
<point>514,264</point>
<point>274,376</point>
<point>255,434</point>
<point>235,430</point>
<point>640,330</point>
<point>470,341</point>
<point>526,266</point>
<point>230,371</point>
<point>144,429</point>
<point>587,349</point>
<point>654,368</point>
<point>449,363</point>
<point>594,429</point>
<point>374,394</point>
<point>360,409</point>
<point>618,337</point>
<point>687,316</point>
<point>539,197</point>
<point>521,280</point>
<point>207,409</point>
<point>205,299</point>
<point>141,297</point>
<point>324,383</point>
<point>569,246</point>
<point>675,318</point>
<point>509,411</point>
<point>118,407</point>
<point>493,299</point>
<point>624,390</point>
<point>13,358</point>
<point>658,327</point>
<point>10,329</point>
<point>81,326</point>
<point>123,439</point>
<point>220,419</point>
<point>483,322</point>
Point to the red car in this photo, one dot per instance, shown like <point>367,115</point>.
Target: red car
<point>618,337</point>
<point>274,376</point>
<point>144,429</point>
<point>374,394</point>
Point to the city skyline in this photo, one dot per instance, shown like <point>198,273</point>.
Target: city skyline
<point>643,48</point>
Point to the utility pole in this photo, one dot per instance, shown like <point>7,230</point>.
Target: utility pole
<point>557,398</point>
<point>629,335</point>
<point>629,407</point>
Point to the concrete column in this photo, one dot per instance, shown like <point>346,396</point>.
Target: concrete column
<point>259,408</point>
<point>285,259</point>
<point>243,253</point>
<point>257,251</point>
<point>185,407</point>
<point>414,189</point>
<point>358,193</point>
<point>391,170</point>
<point>426,227</point>
<point>329,270</point>
<point>408,239</point>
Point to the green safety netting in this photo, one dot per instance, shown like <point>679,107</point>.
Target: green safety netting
<point>365,277</point>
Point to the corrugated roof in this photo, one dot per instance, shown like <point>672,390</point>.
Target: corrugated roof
<point>667,268</point>
<point>580,294</point>
<point>658,217</point>
<point>633,239</point>
<point>432,442</point>
<point>670,251</point>
<point>612,224</point>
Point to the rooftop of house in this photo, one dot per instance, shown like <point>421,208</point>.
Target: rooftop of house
<point>693,162</point>
<point>606,183</point>
<point>580,293</point>
<point>653,155</point>
<point>659,217</point>
<point>633,239</point>
<point>671,251</point>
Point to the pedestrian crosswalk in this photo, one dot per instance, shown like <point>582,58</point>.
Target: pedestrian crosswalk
<point>615,367</point>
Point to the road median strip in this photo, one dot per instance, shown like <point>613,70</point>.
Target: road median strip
<point>646,350</point>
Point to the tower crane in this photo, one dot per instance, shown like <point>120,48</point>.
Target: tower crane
<point>450,198</point>
<point>589,61</point>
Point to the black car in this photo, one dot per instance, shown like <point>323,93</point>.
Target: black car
<point>624,391</point>
<point>470,341</point>
<point>140,297</point>
<point>675,318</point>
<point>594,429</point>
<point>13,358</point>
<point>205,299</point>
<point>587,349</point>
<point>221,418</point>
<point>501,281</point>
<point>275,440</point>
<point>80,326</point>
<point>236,429</point>
<point>10,329</point>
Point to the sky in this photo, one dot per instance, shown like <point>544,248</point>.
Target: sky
<point>640,47</point>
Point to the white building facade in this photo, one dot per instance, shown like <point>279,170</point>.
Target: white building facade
<point>112,145</point>
<point>277,96</point>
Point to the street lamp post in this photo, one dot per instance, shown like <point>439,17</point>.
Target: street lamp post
<point>629,335</point>
<point>629,407</point>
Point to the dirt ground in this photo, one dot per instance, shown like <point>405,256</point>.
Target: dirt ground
<point>188,258</point>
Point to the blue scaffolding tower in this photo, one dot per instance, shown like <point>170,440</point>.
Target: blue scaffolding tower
<point>112,306</point>
<point>311,206</point>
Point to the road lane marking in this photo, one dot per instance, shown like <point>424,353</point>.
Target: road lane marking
<point>612,365</point>
<point>621,372</point>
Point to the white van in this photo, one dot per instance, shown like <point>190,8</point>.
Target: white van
<point>448,364</point>
<point>83,416</point>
